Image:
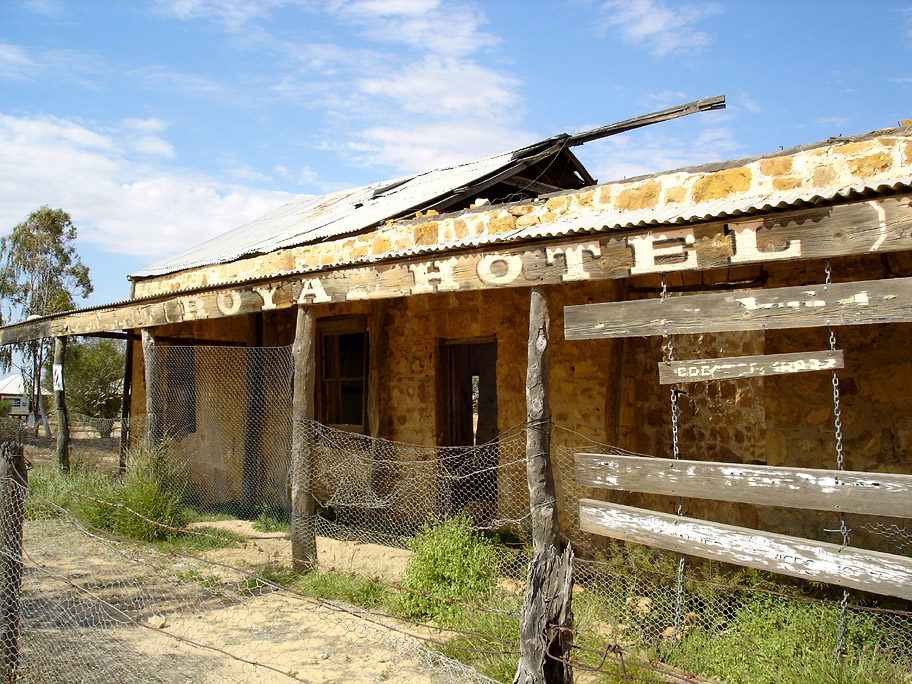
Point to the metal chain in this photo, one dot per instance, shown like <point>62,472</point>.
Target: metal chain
<point>840,465</point>
<point>675,411</point>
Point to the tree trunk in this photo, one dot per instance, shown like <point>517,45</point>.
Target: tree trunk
<point>303,529</point>
<point>63,423</point>
<point>547,618</point>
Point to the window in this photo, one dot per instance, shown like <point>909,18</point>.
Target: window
<point>342,373</point>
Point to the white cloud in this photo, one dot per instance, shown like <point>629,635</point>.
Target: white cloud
<point>412,82</point>
<point>119,200</point>
<point>18,62</point>
<point>448,87</point>
<point>233,14</point>
<point>660,27</point>
<point>421,148</point>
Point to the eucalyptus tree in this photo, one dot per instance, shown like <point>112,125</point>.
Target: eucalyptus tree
<point>40,274</point>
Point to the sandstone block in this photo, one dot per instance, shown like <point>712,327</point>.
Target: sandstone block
<point>525,221</point>
<point>786,183</point>
<point>502,224</point>
<point>381,245</point>
<point>460,229</point>
<point>557,204</point>
<point>521,210</point>
<point>823,176</point>
<point>426,233</point>
<point>646,196</point>
<point>778,166</point>
<point>870,165</point>
<point>675,194</point>
<point>721,184</point>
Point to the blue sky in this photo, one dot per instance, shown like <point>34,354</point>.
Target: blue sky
<point>158,124</point>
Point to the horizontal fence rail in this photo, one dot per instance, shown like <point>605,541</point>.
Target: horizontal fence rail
<point>807,488</point>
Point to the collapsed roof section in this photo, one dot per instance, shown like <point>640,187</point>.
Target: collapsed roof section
<point>546,167</point>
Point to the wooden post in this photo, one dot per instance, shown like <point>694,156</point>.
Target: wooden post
<point>154,408</point>
<point>63,424</point>
<point>13,481</point>
<point>254,414</point>
<point>546,618</point>
<point>125,406</point>
<point>303,529</point>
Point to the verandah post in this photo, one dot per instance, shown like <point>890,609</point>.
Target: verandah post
<point>63,423</point>
<point>303,528</point>
<point>154,408</point>
<point>546,618</point>
<point>125,406</point>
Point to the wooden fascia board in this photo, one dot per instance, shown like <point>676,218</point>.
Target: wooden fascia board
<point>875,226</point>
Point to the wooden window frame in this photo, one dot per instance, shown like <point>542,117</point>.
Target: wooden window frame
<point>328,327</point>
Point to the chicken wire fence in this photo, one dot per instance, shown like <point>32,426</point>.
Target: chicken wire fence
<point>235,612</point>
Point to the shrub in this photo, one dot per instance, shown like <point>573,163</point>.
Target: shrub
<point>146,502</point>
<point>451,561</point>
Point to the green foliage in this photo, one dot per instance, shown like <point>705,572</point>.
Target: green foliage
<point>451,561</point>
<point>270,520</point>
<point>147,504</point>
<point>5,408</point>
<point>40,274</point>
<point>202,538</point>
<point>777,640</point>
<point>93,375</point>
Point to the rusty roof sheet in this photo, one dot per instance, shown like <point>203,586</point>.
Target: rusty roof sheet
<point>316,218</point>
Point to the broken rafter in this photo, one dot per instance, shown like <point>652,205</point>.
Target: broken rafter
<point>705,105</point>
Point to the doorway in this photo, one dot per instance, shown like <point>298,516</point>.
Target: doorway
<point>469,394</point>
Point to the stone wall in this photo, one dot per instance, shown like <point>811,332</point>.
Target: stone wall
<point>608,390</point>
<point>812,170</point>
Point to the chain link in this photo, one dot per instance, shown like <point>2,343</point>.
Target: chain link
<point>840,465</point>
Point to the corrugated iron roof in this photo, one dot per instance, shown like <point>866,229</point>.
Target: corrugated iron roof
<point>613,221</point>
<point>316,218</point>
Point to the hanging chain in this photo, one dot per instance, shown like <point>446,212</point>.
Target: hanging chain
<point>675,411</point>
<point>840,465</point>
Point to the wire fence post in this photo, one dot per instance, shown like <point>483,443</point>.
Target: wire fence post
<point>303,507</point>
<point>546,619</point>
<point>13,480</point>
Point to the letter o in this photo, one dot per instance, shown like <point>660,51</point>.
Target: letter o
<point>512,263</point>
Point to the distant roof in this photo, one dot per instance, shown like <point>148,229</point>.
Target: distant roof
<point>544,167</point>
<point>14,385</point>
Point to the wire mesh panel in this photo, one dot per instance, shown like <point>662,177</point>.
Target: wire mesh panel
<point>180,569</point>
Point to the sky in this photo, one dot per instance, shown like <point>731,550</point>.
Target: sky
<point>158,124</point>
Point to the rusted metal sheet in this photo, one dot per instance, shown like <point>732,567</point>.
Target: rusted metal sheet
<point>705,370</point>
<point>879,573</point>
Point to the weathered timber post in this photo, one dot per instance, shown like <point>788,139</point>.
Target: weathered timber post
<point>125,406</point>
<point>154,409</point>
<point>546,618</point>
<point>13,481</point>
<point>253,416</point>
<point>63,423</point>
<point>303,528</point>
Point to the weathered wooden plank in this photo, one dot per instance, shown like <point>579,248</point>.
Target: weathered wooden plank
<point>881,225</point>
<point>848,491</point>
<point>704,370</point>
<point>804,306</point>
<point>879,573</point>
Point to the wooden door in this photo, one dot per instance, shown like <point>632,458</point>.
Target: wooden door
<point>469,476</point>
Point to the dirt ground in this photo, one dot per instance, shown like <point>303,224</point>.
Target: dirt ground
<point>103,612</point>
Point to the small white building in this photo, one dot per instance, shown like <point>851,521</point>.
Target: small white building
<point>12,389</point>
